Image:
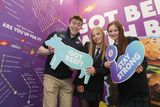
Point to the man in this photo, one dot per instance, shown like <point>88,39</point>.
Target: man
<point>58,82</point>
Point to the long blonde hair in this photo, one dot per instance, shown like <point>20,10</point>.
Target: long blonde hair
<point>103,45</point>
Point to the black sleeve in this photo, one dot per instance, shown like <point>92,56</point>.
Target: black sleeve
<point>131,39</point>
<point>49,36</point>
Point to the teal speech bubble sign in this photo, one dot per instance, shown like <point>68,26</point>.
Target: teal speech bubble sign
<point>74,58</point>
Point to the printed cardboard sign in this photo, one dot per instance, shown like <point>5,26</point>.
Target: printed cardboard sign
<point>75,59</point>
<point>125,66</point>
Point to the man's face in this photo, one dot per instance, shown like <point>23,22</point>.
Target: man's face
<point>75,26</point>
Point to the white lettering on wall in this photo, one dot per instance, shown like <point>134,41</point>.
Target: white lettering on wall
<point>153,27</point>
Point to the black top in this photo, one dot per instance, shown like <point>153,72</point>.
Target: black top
<point>137,84</point>
<point>94,88</point>
<point>62,71</point>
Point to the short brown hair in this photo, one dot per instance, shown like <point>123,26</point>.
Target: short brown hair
<point>76,17</point>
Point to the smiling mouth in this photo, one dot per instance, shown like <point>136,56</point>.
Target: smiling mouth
<point>74,30</point>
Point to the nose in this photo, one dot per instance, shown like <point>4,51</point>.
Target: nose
<point>96,36</point>
<point>75,25</point>
<point>113,33</point>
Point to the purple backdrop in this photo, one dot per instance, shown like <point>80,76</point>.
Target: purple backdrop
<point>26,23</point>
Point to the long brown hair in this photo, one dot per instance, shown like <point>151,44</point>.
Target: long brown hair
<point>103,45</point>
<point>122,40</point>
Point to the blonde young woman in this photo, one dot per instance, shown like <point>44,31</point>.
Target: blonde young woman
<point>92,93</point>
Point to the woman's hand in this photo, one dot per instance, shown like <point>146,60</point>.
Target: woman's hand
<point>139,69</point>
<point>107,64</point>
<point>91,70</point>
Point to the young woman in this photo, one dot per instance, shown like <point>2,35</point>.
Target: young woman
<point>92,93</point>
<point>134,92</point>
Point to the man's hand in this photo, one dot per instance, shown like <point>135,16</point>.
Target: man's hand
<point>45,51</point>
<point>51,50</point>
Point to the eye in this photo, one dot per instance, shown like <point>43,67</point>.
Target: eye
<point>116,30</point>
<point>110,31</point>
<point>79,25</point>
<point>73,22</point>
<point>93,36</point>
<point>97,33</point>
